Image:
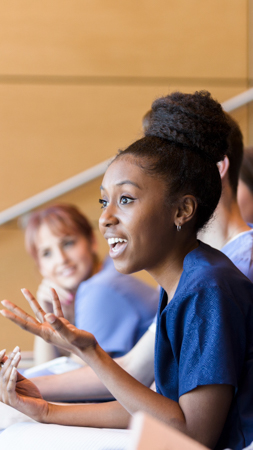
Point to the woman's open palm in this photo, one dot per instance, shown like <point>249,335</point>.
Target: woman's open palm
<point>53,328</point>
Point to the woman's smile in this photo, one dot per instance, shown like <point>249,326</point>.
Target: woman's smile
<point>117,246</point>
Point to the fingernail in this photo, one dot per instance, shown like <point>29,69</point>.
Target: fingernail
<point>2,312</point>
<point>50,318</point>
<point>16,349</point>
<point>2,352</point>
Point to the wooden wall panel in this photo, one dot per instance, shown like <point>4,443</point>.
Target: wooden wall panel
<point>146,38</point>
<point>50,133</point>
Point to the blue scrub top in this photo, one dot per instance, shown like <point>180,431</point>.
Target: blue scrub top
<point>205,336</point>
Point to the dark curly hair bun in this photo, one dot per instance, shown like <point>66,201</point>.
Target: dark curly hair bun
<point>185,136</point>
<point>195,121</point>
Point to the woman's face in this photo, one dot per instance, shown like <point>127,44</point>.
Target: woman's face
<point>64,259</point>
<point>245,202</point>
<point>136,221</point>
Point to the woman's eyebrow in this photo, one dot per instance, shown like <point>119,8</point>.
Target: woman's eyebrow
<point>122,183</point>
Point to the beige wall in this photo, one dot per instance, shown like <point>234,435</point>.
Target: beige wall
<point>75,81</point>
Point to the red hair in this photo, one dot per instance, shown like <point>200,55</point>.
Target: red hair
<point>61,219</point>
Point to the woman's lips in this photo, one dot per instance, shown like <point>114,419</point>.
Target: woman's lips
<point>68,272</point>
<point>117,246</point>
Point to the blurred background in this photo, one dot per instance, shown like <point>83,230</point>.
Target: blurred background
<point>76,79</point>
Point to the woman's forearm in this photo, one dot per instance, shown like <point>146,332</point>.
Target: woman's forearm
<point>103,415</point>
<point>80,384</point>
<point>83,383</point>
<point>129,392</point>
<point>200,413</point>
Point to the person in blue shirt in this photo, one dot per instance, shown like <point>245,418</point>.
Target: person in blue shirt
<point>156,195</point>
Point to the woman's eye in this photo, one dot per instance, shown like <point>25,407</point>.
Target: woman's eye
<point>46,253</point>
<point>68,243</point>
<point>125,200</point>
<point>103,203</point>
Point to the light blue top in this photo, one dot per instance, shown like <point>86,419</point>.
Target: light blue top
<point>240,251</point>
<point>116,308</point>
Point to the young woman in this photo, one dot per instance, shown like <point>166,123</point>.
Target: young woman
<point>156,195</point>
<point>93,294</point>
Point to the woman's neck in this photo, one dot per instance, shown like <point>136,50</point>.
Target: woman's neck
<point>170,271</point>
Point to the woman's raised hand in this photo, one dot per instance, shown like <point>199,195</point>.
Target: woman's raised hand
<point>17,391</point>
<point>53,328</point>
<point>44,293</point>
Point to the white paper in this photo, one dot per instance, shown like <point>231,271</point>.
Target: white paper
<point>37,436</point>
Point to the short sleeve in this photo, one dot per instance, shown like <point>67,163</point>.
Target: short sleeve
<point>213,341</point>
<point>201,339</point>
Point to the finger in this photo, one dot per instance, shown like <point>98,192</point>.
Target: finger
<point>15,360</point>
<point>32,327</point>
<point>59,325</point>
<point>44,292</point>
<point>11,387</point>
<point>18,311</point>
<point>2,356</point>
<point>56,303</point>
<point>44,297</point>
<point>65,297</point>
<point>38,311</point>
<point>12,361</point>
<point>14,352</point>
<point>5,367</point>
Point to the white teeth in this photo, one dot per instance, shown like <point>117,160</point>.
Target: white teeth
<point>66,272</point>
<point>115,240</point>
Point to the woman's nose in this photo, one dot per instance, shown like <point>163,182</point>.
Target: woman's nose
<point>108,217</point>
<point>61,256</point>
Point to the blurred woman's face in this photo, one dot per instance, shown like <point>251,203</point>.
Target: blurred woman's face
<point>245,202</point>
<point>66,260</point>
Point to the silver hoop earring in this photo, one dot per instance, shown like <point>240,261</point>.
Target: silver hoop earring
<point>179,227</point>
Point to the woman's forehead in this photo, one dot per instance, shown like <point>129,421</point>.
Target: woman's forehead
<point>57,229</point>
<point>122,169</point>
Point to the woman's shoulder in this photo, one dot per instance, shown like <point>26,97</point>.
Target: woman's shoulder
<point>209,278</point>
<point>207,264</point>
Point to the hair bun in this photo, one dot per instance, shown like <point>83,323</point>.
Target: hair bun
<point>195,121</point>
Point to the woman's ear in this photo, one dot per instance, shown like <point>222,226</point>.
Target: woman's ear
<point>223,167</point>
<point>186,210</point>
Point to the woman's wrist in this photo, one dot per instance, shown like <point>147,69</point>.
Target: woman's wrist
<point>48,415</point>
<point>90,354</point>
